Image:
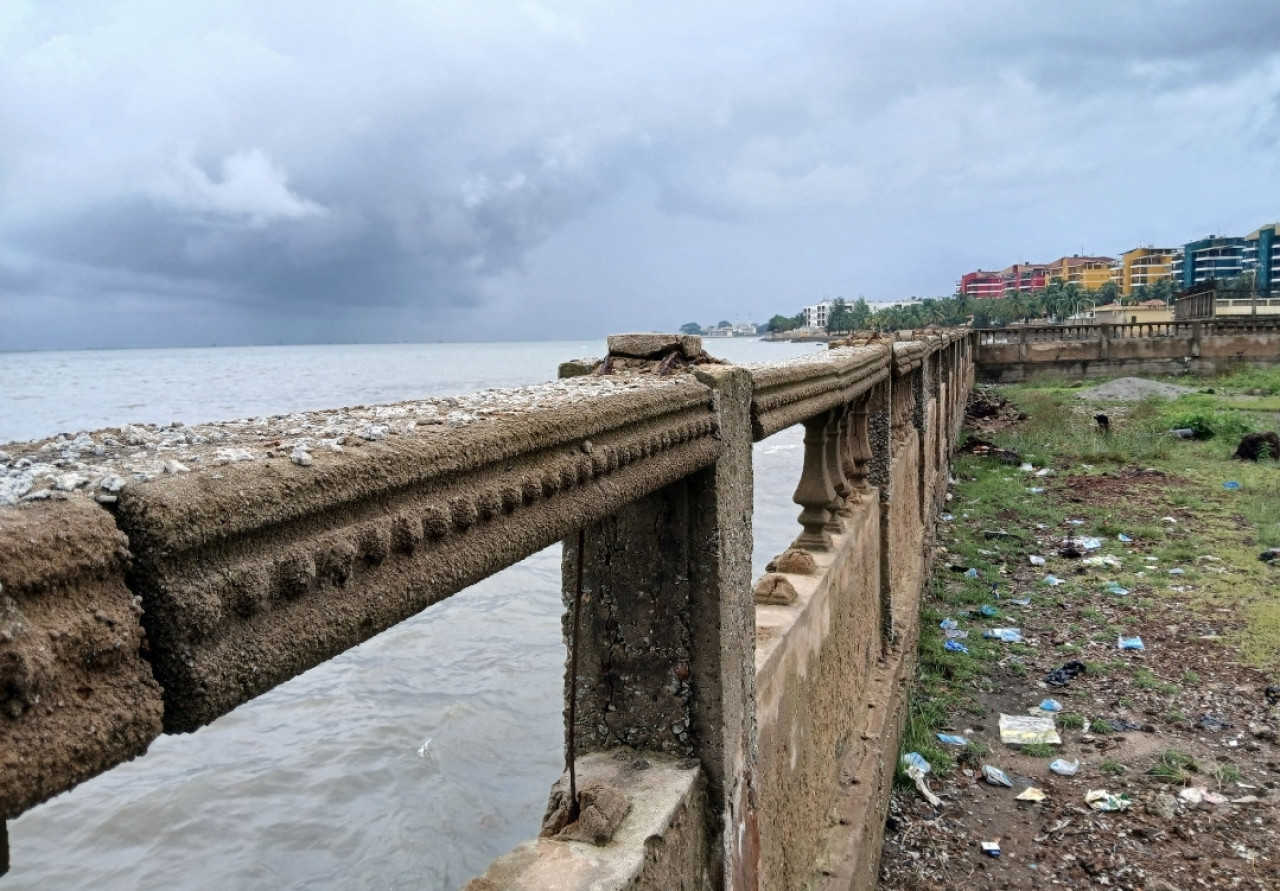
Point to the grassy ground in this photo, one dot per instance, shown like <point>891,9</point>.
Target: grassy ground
<point>1207,608</point>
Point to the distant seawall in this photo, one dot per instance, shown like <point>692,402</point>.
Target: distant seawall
<point>1010,355</point>
<point>718,721</point>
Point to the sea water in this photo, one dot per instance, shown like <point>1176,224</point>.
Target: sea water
<point>410,761</point>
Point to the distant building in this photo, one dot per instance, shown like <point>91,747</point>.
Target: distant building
<point>816,316</point>
<point>739,329</point>
<point>1115,314</point>
<point>1143,267</point>
<point>1218,258</point>
<point>980,285</point>
<point>1090,273</point>
<point>1261,256</point>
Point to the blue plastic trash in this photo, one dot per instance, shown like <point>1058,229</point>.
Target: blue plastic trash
<point>988,610</point>
<point>948,623</point>
<point>952,739</point>
<point>971,573</point>
<point>1231,484</point>
<point>1122,537</point>
<point>956,647</point>
<point>915,759</point>
<point>1130,643</point>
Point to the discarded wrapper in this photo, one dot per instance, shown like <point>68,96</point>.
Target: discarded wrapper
<point>1102,800</point>
<point>995,776</point>
<point>916,767</point>
<point>1130,643</point>
<point>948,624</point>
<point>956,647</point>
<point>1036,560</point>
<point>988,610</point>
<point>1050,705</point>
<point>1021,730</point>
<point>1031,793</point>
<point>953,739</point>
<point>1021,601</point>
<point>971,573</point>
<point>1064,768</point>
<point>991,849</point>
<point>1008,635</point>
<point>1197,794</point>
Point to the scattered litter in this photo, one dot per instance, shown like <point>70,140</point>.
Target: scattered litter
<point>947,518</point>
<point>1231,484</point>
<point>1152,559</point>
<point>916,767</point>
<point>956,647</point>
<point>1031,793</point>
<point>915,759</point>
<point>1089,543</point>
<point>952,739</point>
<point>1036,560</point>
<point>991,849</point>
<point>1044,471</point>
<point>971,573</point>
<point>1114,588</point>
<point>1270,555</point>
<point>1008,635</point>
<point>1050,705</point>
<point>1076,522</point>
<point>1064,768</point>
<point>1120,725</point>
<point>1129,643</point>
<point>1104,560</point>
<point>1060,677</point>
<point>1036,490</point>
<point>1212,722</point>
<point>1124,538</point>
<point>1169,520</point>
<point>988,610</point>
<point>1197,794</point>
<point>948,624</point>
<point>955,634</point>
<point>1021,730</point>
<point>1021,601</point>
<point>1026,468</point>
<point>1183,432</point>
<point>998,533</point>
<point>995,776</point>
<point>1072,552</point>
<point>1052,580</point>
<point>1177,570</point>
<point>1102,800</point>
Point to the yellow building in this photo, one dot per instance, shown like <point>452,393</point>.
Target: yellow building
<point>1090,273</point>
<point>1142,267</point>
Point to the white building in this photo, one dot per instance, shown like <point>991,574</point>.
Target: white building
<point>816,316</point>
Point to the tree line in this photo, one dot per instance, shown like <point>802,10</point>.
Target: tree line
<point>1055,302</point>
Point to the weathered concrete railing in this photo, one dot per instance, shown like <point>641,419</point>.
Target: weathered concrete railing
<point>1009,355</point>
<point>743,718</point>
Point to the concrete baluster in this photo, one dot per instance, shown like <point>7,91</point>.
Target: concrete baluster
<point>840,485</point>
<point>815,492</point>
<point>857,449</point>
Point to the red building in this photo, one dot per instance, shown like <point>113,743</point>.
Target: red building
<point>982,284</point>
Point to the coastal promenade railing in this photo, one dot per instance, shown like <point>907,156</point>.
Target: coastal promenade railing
<point>143,603</point>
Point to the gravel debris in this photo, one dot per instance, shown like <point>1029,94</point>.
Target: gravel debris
<point>99,464</point>
<point>1133,389</point>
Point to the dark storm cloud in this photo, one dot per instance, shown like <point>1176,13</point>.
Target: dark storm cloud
<point>249,163</point>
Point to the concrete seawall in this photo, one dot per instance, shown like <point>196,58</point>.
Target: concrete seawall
<point>1011,355</point>
<point>757,712</point>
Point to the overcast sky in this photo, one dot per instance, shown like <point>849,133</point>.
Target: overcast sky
<point>216,172</point>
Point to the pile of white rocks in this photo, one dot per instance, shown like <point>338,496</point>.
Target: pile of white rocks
<point>101,463</point>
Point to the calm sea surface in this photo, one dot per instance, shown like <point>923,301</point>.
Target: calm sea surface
<point>409,762</point>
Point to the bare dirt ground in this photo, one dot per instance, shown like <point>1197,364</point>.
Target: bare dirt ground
<point>1185,707</point>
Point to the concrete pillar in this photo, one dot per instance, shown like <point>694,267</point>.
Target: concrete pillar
<point>815,492</point>
<point>666,630</point>
<point>880,436</point>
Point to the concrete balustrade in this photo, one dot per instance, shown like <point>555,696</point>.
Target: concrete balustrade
<point>726,724</point>
<point>1010,355</point>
